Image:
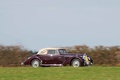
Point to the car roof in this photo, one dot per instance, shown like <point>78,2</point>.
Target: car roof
<point>51,48</point>
<point>39,52</point>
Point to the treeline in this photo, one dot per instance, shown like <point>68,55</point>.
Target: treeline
<point>101,55</point>
<point>13,55</point>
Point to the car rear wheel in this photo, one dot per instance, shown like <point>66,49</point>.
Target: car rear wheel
<point>75,63</point>
<point>35,63</point>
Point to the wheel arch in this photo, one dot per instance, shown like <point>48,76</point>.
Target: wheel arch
<point>36,59</point>
<point>81,61</point>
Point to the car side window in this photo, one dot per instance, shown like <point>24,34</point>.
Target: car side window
<point>51,52</point>
<point>62,51</point>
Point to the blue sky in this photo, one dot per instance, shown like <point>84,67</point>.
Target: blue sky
<point>36,24</point>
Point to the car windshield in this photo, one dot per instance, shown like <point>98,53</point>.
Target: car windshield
<point>62,51</point>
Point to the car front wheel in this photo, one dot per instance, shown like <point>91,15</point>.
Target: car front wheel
<point>35,63</point>
<point>75,63</point>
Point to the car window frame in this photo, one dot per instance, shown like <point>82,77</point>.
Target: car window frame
<point>55,52</point>
<point>62,53</point>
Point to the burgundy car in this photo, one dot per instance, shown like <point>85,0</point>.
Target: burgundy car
<point>57,57</point>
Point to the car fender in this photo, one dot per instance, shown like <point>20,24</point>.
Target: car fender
<point>69,60</point>
<point>80,59</point>
<point>37,59</point>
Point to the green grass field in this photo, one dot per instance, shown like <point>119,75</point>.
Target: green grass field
<point>60,73</point>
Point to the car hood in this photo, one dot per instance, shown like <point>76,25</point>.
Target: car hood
<point>72,54</point>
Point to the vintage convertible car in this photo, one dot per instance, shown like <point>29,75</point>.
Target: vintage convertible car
<point>57,57</point>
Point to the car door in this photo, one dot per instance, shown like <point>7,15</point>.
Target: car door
<point>58,59</point>
<point>47,59</point>
<point>52,57</point>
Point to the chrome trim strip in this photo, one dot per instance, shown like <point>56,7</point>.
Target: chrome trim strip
<point>51,65</point>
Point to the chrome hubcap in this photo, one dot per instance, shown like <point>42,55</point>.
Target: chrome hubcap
<point>76,64</point>
<point>35,64</point>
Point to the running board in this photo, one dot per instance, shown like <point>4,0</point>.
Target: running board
<point>57,65</point>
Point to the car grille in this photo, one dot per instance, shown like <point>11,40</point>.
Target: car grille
<point>86,59</point>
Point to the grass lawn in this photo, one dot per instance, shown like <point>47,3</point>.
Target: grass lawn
<point>60,73</point>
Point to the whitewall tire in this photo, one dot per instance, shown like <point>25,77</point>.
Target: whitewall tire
<point>35,63</point>
<point>75,63</point>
